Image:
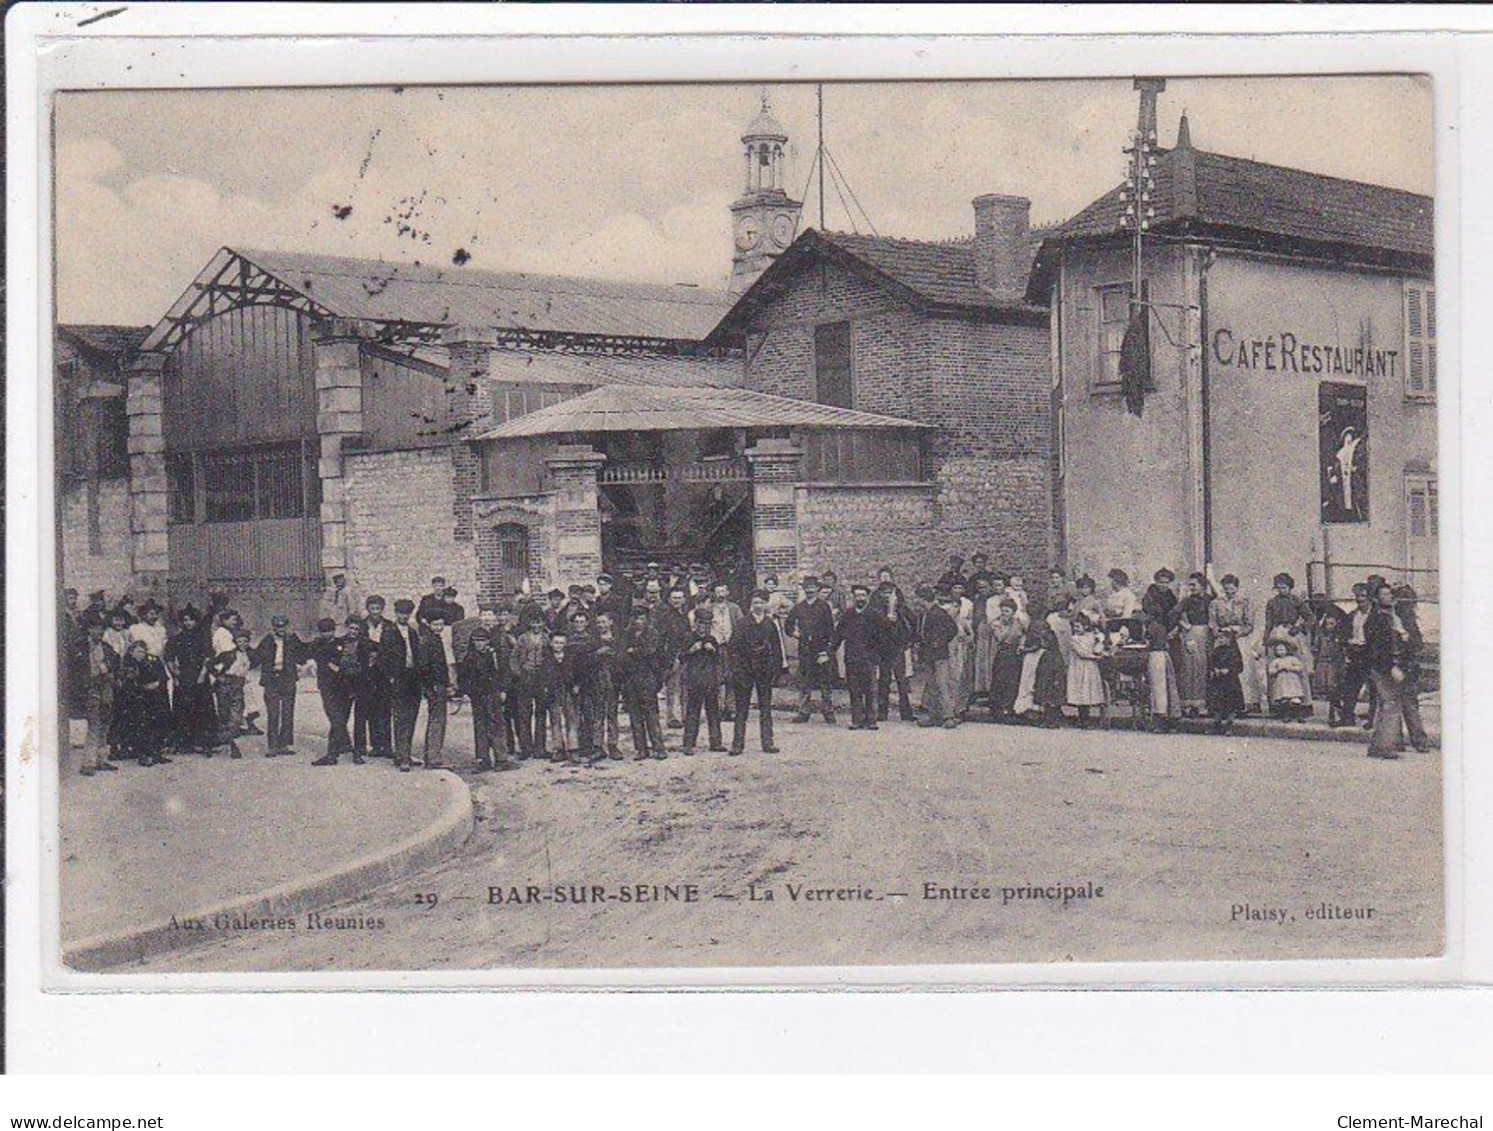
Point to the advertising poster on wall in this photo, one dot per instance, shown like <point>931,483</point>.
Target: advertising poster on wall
<point>1343,443</point>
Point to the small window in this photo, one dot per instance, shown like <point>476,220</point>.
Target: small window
<point>1420,342</point>
<point>1113,304</point>
<point>1422,533</point>
<point>255,483</point>
<point>833,383</point>
<point>512,556</point>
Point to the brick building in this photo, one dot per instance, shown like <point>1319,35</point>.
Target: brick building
<point>940,334</point>
<point>1290,419</point>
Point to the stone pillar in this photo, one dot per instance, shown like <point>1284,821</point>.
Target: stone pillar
<point>775,471</point>
<point>576,554</point>
<point>150,557</point>
<point>339,417</point>
<point>470,390</point>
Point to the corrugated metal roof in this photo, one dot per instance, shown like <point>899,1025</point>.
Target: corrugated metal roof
<point>619,408</point>
<point>542,368</point>
<point>374,290</point>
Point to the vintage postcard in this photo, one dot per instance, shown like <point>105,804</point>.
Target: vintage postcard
<point>718,526</point>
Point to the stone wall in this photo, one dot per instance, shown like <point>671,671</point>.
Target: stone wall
<point>401,526</point>
<point>98,560</point>
<point>855,530</point>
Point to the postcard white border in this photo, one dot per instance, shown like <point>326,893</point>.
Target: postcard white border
<point>46,52</point>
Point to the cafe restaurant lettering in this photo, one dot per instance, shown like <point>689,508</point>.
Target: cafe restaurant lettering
<point>1286,353</point>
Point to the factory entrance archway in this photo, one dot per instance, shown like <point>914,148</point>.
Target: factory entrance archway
<point>678,498</point>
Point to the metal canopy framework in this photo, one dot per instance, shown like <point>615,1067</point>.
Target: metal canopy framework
<point>233,280</point>
<point>228,282</point>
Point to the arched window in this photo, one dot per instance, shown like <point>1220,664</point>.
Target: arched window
<point>512,556</point>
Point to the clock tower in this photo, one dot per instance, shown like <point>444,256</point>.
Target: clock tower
<point>763,219</point>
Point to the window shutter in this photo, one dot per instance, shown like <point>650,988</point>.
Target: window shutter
<point>1418,523</point>
<point>1420,341</point>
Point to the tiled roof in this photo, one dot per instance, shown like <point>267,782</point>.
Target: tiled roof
<point>117,341</point>
<point>942,273</point>
<point>619,408</point>
<point>1235,193</point>
<point>374,290</point>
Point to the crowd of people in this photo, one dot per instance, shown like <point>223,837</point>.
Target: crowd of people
<point>549,676</point>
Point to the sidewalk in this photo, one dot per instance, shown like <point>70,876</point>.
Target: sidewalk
<point>253,839</point>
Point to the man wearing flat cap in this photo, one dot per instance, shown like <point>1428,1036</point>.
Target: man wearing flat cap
<point>279,655</point>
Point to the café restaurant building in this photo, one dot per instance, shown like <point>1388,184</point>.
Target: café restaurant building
<point>1289,419</point>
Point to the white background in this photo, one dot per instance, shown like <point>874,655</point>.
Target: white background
<point>1425,1029</point>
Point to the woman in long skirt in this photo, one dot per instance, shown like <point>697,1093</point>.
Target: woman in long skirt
<point>1005,676</point>
<point>1195,639</point>
<point>962,654</point>
<point>1231,616</point>
<point>1161,677</point>
<point>1050,686</point>
<point>987,612</point>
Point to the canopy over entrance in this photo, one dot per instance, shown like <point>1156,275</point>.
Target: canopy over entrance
<point>617,408</point>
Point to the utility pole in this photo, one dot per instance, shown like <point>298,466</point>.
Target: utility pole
<point>820,157</point>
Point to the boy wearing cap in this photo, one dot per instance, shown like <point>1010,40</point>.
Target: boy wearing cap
<point>483,672</point>
<point>336,665</point>
<point>529,661</point>
<point>639,678</point>
<point>939,629</point>
<point>429,602</point>
<point>278,655</point>
<point>607,658</point>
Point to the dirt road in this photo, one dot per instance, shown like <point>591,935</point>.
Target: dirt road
<point>841,850</point>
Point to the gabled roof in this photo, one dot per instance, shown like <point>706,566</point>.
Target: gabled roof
<point>115,341</point>
<point>1197,192</point>
<point>619,408</point>
<point>933,276</point>
<point>372,290</point>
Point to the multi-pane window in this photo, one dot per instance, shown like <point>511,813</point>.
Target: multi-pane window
<point>833,382</point>
<point>238,486</point>
<point>1422,532</point>
<point>1112,302</point>
<point>1420,341</point>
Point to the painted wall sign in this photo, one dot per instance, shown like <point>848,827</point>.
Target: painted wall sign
<point>1343,447</point>
<point>1286,353</point>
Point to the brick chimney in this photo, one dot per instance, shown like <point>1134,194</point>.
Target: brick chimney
<point>1003,255</point>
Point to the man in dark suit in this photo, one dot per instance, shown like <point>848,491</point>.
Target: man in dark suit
<point>938,630</point>
<point>278,655</point>
<point>890,606</point>
<point>812,621</point>
<point>399,660</point>
<point>336,669</point>
<point>435,599</point>
<point>756,658</point>
<point>860,631</point>
<point>435,667</point>
<point>375,688</point>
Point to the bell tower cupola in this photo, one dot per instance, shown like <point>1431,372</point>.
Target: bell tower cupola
<point>764,220</point>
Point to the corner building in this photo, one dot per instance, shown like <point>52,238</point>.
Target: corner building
<point>1289,423</point>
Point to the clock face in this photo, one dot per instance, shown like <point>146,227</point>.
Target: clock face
<point>748,232</point>
<point>782,229</point>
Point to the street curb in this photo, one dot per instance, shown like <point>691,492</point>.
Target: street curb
<point>425,848</point>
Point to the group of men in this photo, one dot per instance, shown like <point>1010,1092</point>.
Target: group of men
<point>548,676</point>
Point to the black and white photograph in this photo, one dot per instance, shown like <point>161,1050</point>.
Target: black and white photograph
<point>685,526</point>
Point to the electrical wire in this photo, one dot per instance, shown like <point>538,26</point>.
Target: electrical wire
<point>840,173</point>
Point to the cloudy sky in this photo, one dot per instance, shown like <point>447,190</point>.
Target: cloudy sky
<point>628,182</point>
